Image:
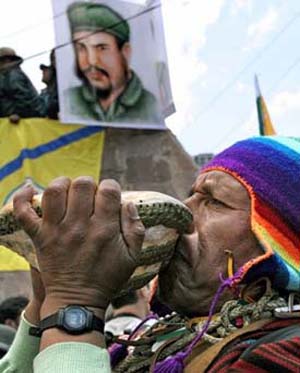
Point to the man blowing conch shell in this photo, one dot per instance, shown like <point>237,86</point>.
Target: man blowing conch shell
<point>233,280</point>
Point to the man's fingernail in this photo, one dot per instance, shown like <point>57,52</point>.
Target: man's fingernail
<point>29,184</point>
<point>133,212</point>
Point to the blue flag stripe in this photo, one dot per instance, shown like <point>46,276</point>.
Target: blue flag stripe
<point>48,147</point>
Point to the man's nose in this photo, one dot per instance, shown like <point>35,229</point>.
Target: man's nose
<point>92,57</point>
<point>188,202</point>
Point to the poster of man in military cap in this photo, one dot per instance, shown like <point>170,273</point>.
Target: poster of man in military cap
<point>111,64</point>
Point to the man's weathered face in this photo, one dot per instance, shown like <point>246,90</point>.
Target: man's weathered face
<point>100,60</point>
<point>221,209</point>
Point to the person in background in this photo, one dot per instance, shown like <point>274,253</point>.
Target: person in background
<point>49,94</point>
<point>128,311</point>
<point>11,309</point>
<point>18,97</point>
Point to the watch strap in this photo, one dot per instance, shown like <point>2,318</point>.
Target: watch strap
<point>98,324</point>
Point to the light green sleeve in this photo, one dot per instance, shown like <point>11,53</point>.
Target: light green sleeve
<point>70,357</point>
<point>22,352</point>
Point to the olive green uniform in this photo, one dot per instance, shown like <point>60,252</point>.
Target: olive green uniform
<point>18,95</point>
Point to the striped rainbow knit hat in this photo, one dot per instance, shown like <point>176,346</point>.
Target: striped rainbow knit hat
<point>269,168</point>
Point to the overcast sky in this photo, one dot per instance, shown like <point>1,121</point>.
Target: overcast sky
<point>215,47</point>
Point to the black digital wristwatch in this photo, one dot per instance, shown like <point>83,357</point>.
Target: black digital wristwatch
<point>72,319</point>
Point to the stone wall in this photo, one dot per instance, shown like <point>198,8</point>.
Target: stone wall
<point>148,160</point>
<point>14,283</point>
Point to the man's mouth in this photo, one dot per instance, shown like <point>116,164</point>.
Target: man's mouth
<point>96,73</point>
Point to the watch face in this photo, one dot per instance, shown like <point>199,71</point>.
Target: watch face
<point>75,318</point>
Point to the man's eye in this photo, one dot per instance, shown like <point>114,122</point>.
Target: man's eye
<point>215,202</point>
<point>80,48</point>
<point>103,47</point>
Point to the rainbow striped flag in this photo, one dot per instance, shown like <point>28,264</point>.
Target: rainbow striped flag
<point>265,124</point>
<point>40,150</point>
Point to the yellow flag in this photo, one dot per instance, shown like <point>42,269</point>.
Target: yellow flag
<point>10,261</point>
<point>265,124</point>
<point>40,150</point>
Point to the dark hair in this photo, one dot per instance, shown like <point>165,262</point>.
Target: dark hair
<point>120,43</point>
<point>12,307</point>
<point>129,298</point>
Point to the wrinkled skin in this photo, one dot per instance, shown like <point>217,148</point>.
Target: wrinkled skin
<point>221,208</point>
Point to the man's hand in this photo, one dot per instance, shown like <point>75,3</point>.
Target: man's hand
<point>83,256</point>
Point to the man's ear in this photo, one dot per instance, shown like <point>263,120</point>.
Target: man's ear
<point>127,51</point>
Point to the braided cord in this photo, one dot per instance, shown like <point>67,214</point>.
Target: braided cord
<point>236,314</point>
<point>233,315</point>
